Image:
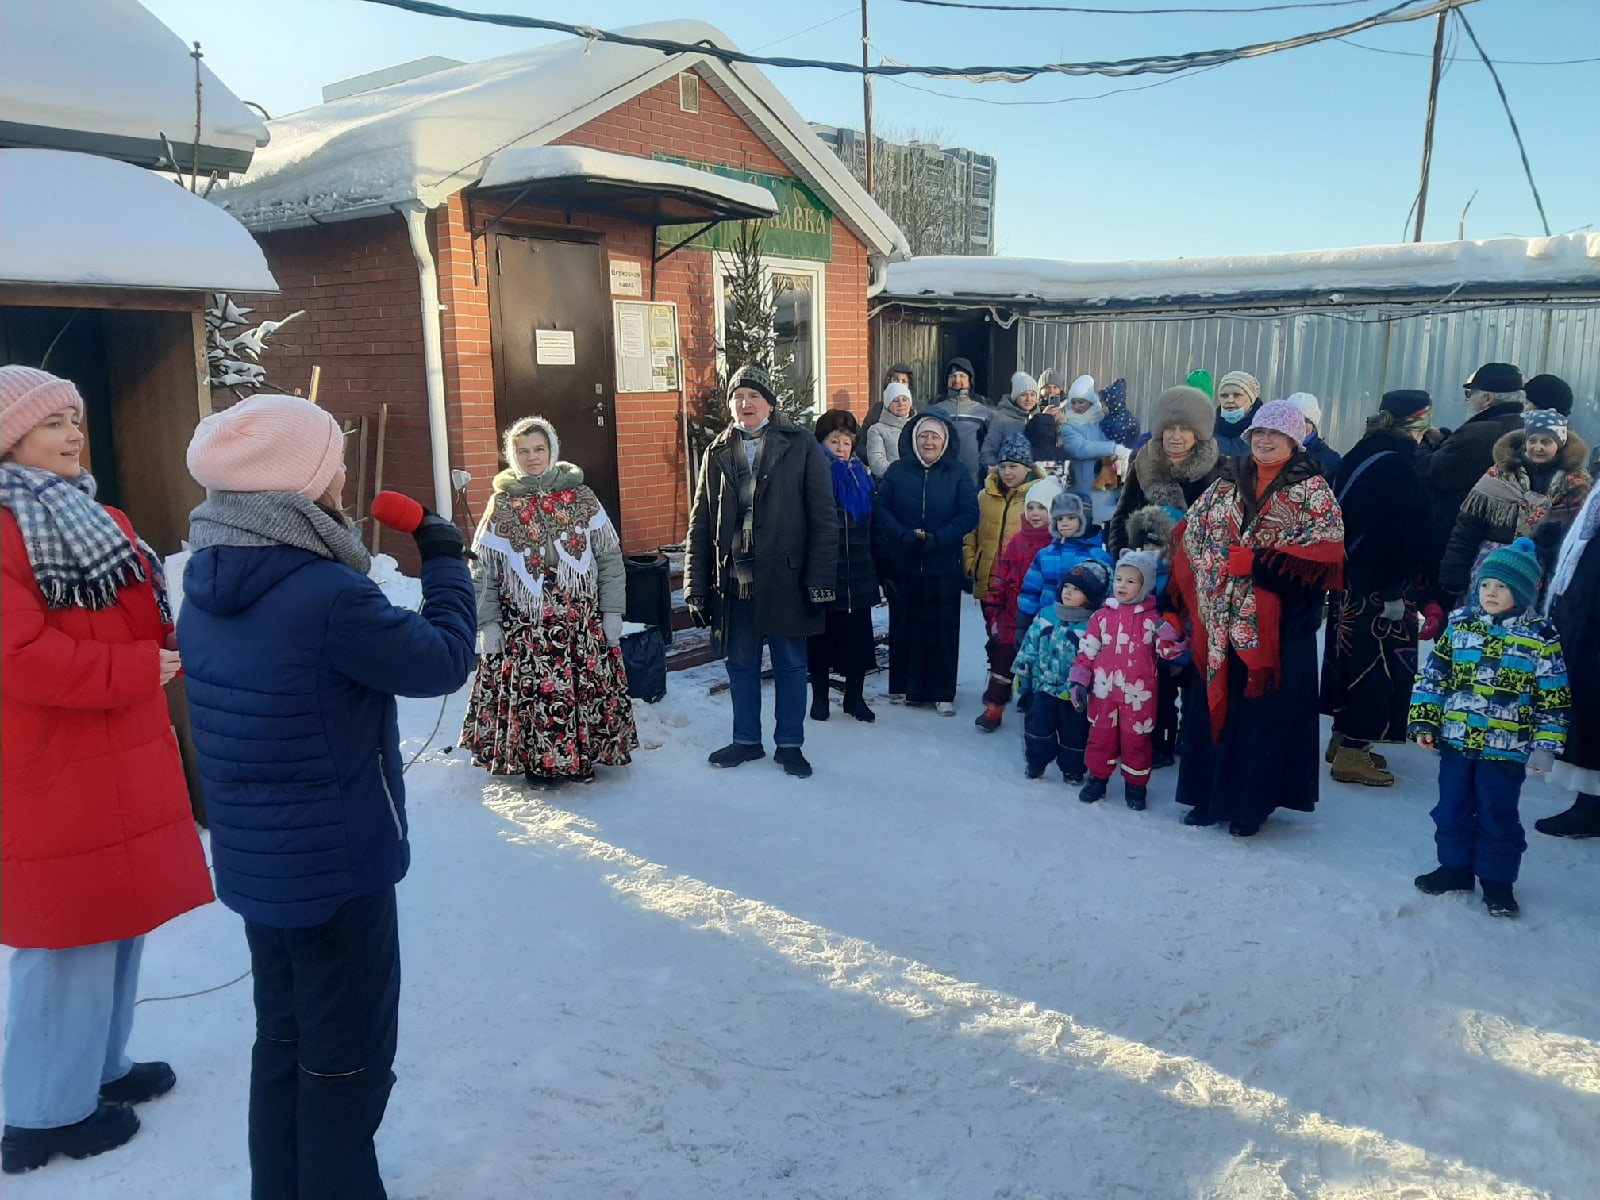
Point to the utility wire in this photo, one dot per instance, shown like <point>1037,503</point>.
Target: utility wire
<point>788,37</point>
<point>1506,104</point>
<point>1143,87</point>
<point>1405,10</point>
<point>1450,58</point>
<point>1130,12</point>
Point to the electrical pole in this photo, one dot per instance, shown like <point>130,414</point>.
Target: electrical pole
<point>1427,136</point>
<point>866,93</point>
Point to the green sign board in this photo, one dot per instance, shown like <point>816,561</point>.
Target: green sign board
<point>803,227</point>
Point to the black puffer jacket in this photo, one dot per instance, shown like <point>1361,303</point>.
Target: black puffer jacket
<point>940,500</point>
<point>1576,612</point>
<point>1387,523</point>
<point>1449,470</point>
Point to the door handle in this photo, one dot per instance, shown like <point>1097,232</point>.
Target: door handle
<point>600,412</point>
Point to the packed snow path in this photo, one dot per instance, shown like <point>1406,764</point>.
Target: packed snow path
<point>920,975</point>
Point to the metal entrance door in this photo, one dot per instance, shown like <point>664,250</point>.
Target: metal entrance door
<point>550,304</point>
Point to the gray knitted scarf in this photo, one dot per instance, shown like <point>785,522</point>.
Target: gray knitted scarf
<point>276,519</point>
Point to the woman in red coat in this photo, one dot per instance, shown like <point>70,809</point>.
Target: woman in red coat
<point>99,845</point>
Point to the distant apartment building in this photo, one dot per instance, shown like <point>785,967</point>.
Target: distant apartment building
<point>942,197</point>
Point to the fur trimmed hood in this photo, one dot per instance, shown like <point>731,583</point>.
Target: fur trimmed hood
<point>1508,452</point>
<point>1152,524</point>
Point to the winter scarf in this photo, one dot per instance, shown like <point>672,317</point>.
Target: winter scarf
<point>80,556</point>
<point>748,449</point>
<point>852,486</point>
<point>1294,530</point>
<point>1514,495</point>
<point>1072,616</point>
<point>276,519</point>
<point>1162,480</point>
<point>544,522</point>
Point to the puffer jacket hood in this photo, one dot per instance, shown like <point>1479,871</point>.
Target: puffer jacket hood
<point>226,580</point>
<point>908,439</point>
<point>901,369</point>
<point>959,364</point>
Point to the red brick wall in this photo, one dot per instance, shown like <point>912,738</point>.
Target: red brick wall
<point>359,281</point>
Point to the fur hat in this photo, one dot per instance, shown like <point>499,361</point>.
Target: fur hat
<point>1546,421</point>
<point>1549,391</point>
<point>1146,563</point>
<point>27,397</point>
<point>1070,504</point>
<point>1044,492</point>
<point>521,428</point>
<point>267,444</point>
<point>1092,579</point>
<point>1083,389</point>
<point>837,420</point>
<point>1201,380</point>
<point>1152,525</point>
<point>1496,377</point>
<point>1405,403</point>
<point>1516,566</point>
<point>1279,416</point>
<point>1309,407</point>
<point>1023,382</point>
<point>893,390</point>
<point>750,376</point>
<point>1016,449</point>
<point>1243,379</point>
<point>1185,406</point>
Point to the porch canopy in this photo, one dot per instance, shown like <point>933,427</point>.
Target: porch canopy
<point>580,179</point>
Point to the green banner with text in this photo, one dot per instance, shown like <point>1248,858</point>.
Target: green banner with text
<point>803,227</point>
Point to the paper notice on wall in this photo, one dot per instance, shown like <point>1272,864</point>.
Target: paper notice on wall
<point>554,348</point>
<point>627,278</point>
<point>646,346</point>
<point>631,341</point>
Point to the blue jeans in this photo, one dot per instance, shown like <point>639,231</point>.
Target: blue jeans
<point>67,1026</point>
<point>789,665</point>
<point>1475,822</point>
<point>327,1022</point>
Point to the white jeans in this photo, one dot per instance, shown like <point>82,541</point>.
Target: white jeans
<point>67,1024</point>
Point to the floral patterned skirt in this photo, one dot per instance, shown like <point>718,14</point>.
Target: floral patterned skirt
<point>556,702</point>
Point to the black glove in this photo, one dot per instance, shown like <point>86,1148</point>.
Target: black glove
<point>699,611</point>
<point>438,538</point>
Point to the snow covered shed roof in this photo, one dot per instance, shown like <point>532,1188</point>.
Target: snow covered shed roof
<point>1516,265</point>
<point>106,77</point>
<point>428,138</point>
<point>639,187</point>
<point>85,221</point>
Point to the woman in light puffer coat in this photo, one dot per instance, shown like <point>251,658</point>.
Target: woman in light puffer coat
<point>1085,445</point>
<point>882,439</point>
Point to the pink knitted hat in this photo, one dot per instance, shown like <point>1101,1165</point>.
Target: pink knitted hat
<point>1280,416</point>
<point>27,397</point>
<point>267,444</point>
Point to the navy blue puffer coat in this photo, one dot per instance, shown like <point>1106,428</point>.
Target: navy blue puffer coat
<point>941,500</point>
<point>293,663</point>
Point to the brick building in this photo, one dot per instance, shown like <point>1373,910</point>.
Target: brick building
<point>486,241</point>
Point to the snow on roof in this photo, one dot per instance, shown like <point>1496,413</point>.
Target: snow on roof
<point>84,220</point>
<point>108,68</point>
<point>525,164</point>
<point>428,138</point>
<point>1412,267</point>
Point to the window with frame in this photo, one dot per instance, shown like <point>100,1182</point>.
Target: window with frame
<point>800,327</point>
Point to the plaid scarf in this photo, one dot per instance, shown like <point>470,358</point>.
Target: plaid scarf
<point>80,556</point>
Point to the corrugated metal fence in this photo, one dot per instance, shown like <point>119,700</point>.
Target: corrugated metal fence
<point>1347,357</point>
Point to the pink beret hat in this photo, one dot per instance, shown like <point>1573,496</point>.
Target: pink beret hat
<point>267,444</point>
<point>1280,416</point>
<point>27,397</point>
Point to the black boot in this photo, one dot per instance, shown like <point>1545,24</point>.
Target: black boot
<point>735,754</point>
<point>1136,797</point>
<point>1446,879</point>
<point>1198,817</point>
<point>108,1127</point>
<point>1497,898</point>
<point>792,761</point>
<point>145,1082</point>
<point>1582,820</point>
<point>1094,790</point>
<point>1243,829</point>
<point>819,697</point>
<point>855,704</point>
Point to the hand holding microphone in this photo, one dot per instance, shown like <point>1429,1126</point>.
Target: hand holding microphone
<point>435,537</point>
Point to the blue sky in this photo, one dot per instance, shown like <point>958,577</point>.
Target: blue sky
<point>1307,149</point>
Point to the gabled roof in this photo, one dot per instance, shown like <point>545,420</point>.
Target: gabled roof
<point>428,138</point>
<point>106,77</point>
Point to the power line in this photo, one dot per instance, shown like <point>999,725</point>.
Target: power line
<point>1131,12</point>
<point>1450,58</point>
<point>1166,64</point>
<point>1143,87</point>
<point>788,37</point>
<point>1506,104</point>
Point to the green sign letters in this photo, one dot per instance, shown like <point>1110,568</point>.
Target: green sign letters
<point>803,227</point>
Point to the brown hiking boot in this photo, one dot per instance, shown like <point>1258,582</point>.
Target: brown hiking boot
<point>1357,766</point>
<point>1337,739</point>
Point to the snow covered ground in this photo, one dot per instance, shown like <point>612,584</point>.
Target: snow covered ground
<point>921,975</point>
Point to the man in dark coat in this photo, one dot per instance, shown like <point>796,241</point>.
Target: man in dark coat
<point>1448,464</point>
<point>1573,601</point>
<point>763,557</point>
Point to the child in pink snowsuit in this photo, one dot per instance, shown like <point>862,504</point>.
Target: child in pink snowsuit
<point>1115,675</point>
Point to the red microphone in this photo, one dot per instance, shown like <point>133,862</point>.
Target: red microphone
<point>397,511</point>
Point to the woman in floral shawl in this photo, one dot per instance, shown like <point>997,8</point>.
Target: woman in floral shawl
<point>1255,555</point>
<point>551,697</point>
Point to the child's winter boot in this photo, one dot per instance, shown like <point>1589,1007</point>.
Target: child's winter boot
<point>1497,898</point>
<point>989,719</point>
<point>1136,797</point>
<point>1094,790</point>
<point>1446,879</point>
<point>1359,766</point>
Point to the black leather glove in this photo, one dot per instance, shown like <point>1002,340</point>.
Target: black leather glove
<point>438,538</point>
<point>699,611</point>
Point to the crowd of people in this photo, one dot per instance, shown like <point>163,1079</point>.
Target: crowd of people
<point>1150,599</point>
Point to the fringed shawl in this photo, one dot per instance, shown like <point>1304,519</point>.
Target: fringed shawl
<point>1294,531</point>
<point>1505,498</point>
<point>543,527</point>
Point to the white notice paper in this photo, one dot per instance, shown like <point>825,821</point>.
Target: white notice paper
<point>631,331</point>
<point>554,348</point>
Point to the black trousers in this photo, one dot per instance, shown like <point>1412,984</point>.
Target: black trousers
<point>327,1020</point>
<point>925,637</point>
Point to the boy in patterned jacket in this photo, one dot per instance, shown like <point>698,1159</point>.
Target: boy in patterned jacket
<point>1055,728</point>
<point>1492,699</point>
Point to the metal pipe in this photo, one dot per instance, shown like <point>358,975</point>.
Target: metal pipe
<point>432,355</point>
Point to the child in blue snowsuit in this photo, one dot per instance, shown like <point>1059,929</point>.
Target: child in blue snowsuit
<point>1492,697</point>
<point>1074,540</point>
<point>1054,729</point>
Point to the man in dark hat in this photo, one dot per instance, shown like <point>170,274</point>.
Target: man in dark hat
<point>1450,463</point>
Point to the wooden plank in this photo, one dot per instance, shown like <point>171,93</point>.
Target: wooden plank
<point>39,295</point>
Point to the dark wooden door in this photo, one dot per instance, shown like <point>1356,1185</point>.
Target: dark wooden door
<point>561,288</point>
